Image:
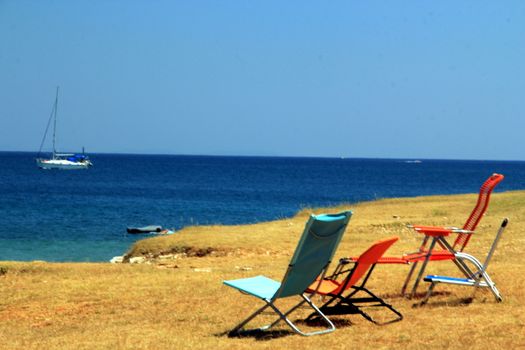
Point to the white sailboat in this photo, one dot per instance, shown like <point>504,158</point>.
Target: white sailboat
<point>65,161</point>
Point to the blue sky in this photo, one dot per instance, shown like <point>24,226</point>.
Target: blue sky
<point>380,79</point>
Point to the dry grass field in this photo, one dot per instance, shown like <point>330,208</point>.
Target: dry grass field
<point>180,303</point>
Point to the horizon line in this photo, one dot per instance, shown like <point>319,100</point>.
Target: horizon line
<point>281,156</point>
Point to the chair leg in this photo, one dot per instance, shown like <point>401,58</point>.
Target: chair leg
<point>413,267</point>
<point>237,329</point>
<point>429,293</point>
<point>481,274</point>
<point>487,283</point>
<point>422,270</point>
<point>485,276</point>
<point>331,326</point>
<point>384,304</point>
<point>409,276</point>
<point>322,308</point>
<point>496,293</point>
<point>283,316</point>
<point>348,304</point>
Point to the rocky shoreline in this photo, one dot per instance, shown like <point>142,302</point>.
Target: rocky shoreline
<point>166,257</point>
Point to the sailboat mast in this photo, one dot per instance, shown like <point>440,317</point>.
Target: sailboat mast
<point>55,125</point>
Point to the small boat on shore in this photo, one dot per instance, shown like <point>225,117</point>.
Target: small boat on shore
<point>145,229</point>
<point>63,161</point>
<point>150,229</point>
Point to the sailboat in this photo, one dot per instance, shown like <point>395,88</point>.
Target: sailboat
<point>65,161</point>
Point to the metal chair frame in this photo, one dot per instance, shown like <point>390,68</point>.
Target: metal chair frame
<point>438,234</point>
<point>283,316</point>
<point>476,279</point>
<point>349,304</point>
<point>305,263</point>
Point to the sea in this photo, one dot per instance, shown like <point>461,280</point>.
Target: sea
<point>82,215</point>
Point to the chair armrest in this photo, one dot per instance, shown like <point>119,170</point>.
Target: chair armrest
<point>392,260</point>
<point>437,231</point>
<point>381,260</point>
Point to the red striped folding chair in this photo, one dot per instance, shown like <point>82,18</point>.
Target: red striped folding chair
<point>439,248</point>
<point>477,279</point>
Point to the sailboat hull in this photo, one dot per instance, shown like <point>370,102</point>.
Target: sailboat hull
<point>62,164</point>
<point>63,161</point>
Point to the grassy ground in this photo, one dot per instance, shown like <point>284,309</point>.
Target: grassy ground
<point>180,303</point>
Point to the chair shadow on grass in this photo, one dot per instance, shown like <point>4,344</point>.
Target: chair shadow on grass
<point>260,335</point>
<point>457,302</point>
<point>318,322</point>
<point>421,295</point>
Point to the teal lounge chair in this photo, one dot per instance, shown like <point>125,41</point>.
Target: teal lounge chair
<point>312,256</point>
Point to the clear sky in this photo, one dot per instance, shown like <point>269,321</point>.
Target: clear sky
<point>380,79</point>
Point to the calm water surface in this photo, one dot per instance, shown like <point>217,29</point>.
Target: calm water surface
<point>83,215</point>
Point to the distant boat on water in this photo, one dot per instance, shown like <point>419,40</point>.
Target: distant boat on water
<point>64,161</point>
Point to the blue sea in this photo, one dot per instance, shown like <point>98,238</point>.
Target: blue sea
<point>83,215</point>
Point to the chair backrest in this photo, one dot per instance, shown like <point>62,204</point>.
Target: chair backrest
<point>366,260</point>
<point>477,213</point>
<point>314,252</point>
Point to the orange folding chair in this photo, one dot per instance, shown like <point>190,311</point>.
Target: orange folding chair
<point>437,235</point>
<point>345,279</point>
